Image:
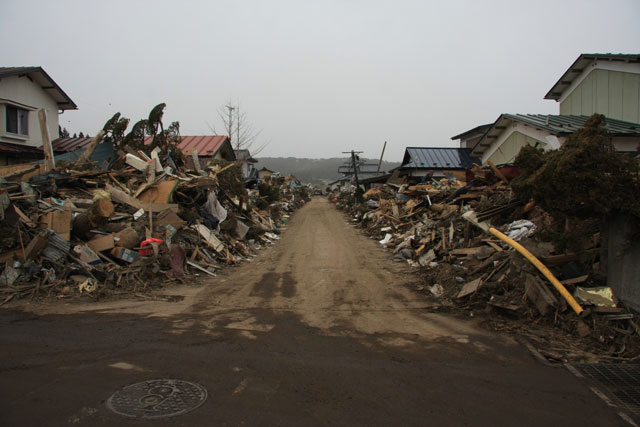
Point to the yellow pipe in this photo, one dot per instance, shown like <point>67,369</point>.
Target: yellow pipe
<point>540,266</point>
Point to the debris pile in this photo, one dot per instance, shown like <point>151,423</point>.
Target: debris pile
<point>443,228</point>
<point>150,217</point>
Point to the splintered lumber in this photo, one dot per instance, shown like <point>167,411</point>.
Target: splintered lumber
<point>465,251</point>
<point>86,154</point>
<point>23,217</point>
<point>120,196</point>
<point>539,294</point>
<point>97,215</point>
<point>495,170</point>
<point>119,184</point>
<point>36,245</point>
<point>471,217</point>
<point>576,280</point>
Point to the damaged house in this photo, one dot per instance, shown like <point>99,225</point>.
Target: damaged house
<point>423,163</point>
<point>23,92</point>
<point>607,84</point>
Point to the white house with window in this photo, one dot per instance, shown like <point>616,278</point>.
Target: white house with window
<point>24,91</point>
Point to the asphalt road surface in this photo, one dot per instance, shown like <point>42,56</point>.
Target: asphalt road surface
<point>319,329</point>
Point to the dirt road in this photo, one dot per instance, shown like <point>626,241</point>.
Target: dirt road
<point>318,330</point>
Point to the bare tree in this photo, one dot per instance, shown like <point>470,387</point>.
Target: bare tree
<point>242,133</point>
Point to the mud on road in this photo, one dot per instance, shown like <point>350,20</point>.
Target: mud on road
<point>320,329</point>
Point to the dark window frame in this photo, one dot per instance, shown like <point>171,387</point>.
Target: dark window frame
<point>16,120</point>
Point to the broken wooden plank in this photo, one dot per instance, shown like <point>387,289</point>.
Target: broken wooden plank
<point>539,294</point>
<point>49,160</point>
<point>136,162</point>
<point>575,280</point>
<point>470,287</point>
<point>209,237</point>
<point>495,170</point>
<point>120,196</point>
<point>86,154</point>
<point>204,270</point>
<point>465,251</point>
<point>24,218</point>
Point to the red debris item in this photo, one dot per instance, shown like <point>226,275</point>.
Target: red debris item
<point>148,242</point>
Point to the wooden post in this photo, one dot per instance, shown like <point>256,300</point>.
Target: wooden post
<point>495,170</point>
<point>86,155</point>
<point>49,161</point>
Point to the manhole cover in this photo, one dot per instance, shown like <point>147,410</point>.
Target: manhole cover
<point>157,399</point>
<point>622,382</point>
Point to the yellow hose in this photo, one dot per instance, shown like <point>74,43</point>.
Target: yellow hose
<point>540,266</point>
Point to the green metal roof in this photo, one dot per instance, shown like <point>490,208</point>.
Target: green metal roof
<point>559,125</point>
<point>565,124</point>
<point>579,66</point>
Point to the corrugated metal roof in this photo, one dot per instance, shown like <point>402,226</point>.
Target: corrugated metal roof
<point>207,145</point>
<point>559,125</point>
<point>39,76</point>
<point>580,64</point>
<point>566,124</point>
<point>437,158</point>
<point>16,149</point>
<point>478,130</point>
<point>70,144</point>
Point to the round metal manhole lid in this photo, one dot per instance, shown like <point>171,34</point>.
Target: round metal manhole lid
<point>157,399</point>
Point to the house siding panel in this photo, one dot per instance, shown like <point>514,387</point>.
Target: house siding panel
<point>587,95</point>
<point>630,101</point>
<point>602,92</point>
<point>23,91</point>
<point>612,93</point>
<point>512,146</point>
<point>615,95</point>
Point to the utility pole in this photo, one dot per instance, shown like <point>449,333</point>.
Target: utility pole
<point>355,160</point>
<point>230,120</point>
<point>238,126</point>
<point>381,156</point>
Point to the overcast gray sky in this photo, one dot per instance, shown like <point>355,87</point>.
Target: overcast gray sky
<point>318,77</point>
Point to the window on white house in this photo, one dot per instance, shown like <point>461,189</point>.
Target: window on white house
<point>17,120</point>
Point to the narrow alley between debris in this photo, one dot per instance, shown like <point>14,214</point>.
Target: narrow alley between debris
<point>319,329</point>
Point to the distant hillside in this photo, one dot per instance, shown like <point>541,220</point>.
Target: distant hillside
<point>314,171</point>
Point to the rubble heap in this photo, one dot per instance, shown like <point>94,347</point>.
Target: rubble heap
<point>150,217</point>
<point>466,270</point>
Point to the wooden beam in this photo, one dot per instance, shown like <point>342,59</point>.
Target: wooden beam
<point>497,172</point>
<point>49,161</point>
<point>86,154</point>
